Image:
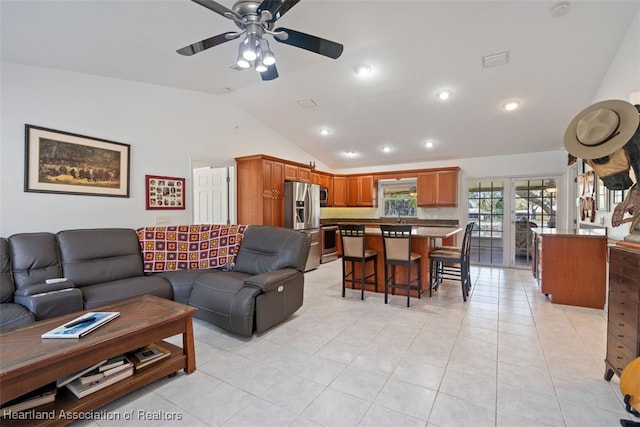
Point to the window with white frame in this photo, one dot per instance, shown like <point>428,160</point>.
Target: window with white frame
<point>398,197</point>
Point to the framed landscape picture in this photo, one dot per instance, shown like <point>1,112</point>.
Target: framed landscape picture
<point>67,163</point>
<point>165,192</point>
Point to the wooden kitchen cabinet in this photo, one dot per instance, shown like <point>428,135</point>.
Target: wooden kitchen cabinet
<point>339,191</point>
<point>438,187</point>
<point>260,190</point>
<point>571,266</point>
<point>360,191</point>
<point>623,324</point>
<point>296,173</point>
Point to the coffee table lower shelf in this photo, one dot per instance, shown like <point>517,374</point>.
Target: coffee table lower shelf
<point>67,406</point>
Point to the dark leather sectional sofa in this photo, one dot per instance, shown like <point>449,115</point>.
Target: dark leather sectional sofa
<point>104,265</point>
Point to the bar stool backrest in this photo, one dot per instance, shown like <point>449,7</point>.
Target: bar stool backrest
<point>397,241</point>
<point>352,236</point>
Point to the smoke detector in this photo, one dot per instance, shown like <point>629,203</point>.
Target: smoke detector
<point>560,9</point>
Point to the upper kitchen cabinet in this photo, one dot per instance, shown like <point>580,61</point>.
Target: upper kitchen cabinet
<point>360,191</point>
<point>438,187</point>
<point>339,191</point>
<point>296,173</point>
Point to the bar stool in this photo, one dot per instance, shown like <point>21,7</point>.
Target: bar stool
<point>397,252</point>
<point>452,263</point>
<point>353,251</point>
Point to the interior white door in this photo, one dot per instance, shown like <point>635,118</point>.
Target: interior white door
<point>211,195</point>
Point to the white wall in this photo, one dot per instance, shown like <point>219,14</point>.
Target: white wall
<point>622,81</point>
<point>165,127</point>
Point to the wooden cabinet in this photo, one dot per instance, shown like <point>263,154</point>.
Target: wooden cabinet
<point>438,187</point>
<point>260,190</point>
<point>360,191</point>
<point>623,325</point>
<point>326,181</point>
<point>339,191</point>
<point>571,267</point>
<point>296,173</point>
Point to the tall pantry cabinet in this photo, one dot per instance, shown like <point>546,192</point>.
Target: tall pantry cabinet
<point>260,190</point>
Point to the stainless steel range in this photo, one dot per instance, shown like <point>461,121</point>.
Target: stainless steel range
<point>328,243</point>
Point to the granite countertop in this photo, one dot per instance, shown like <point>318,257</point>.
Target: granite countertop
<point>590,232</point>
<point>430,232</point>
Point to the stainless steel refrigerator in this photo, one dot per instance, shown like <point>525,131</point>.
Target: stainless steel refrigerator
<point>302,212</point>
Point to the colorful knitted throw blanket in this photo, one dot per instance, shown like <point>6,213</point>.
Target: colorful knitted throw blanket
<point>185,247</point>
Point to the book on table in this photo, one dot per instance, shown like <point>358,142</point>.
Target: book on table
<point>66,380</point>
<point>148,355</point>
<point>37,397</point>
<point>99,373</point>
<point>82,325</point>
<point>81,390</point>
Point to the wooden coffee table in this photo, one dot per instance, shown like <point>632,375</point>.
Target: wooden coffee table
<point>28,361</point>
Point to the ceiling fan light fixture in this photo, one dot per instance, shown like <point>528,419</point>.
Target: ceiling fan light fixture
<point>268,58</point>
<point>249,47</point>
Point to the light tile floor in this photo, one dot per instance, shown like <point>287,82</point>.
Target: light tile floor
<point>507,357</point>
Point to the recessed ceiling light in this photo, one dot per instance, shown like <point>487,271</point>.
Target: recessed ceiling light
<point>444,95</point>
<point>386,149</point>
<point>429,144</point>
<point>350,153</point>
<point>511,105</point>
<point>324,131</point>
<point>363,69</point>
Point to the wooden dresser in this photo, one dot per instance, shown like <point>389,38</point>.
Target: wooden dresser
<point>623,327</point>
<point>571,266</point>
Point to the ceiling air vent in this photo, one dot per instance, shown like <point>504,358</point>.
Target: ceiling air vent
<point>307,103</point>
<point>495,60</point>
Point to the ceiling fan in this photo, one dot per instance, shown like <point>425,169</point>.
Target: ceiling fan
<point>255,20</point>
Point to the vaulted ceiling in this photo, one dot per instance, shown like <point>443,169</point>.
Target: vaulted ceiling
<point>553,67</point>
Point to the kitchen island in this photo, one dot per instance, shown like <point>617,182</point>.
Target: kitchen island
<point>423,240</point>
<point>571,265</point>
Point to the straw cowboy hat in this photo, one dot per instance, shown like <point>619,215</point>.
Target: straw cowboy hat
<point>601,129</point>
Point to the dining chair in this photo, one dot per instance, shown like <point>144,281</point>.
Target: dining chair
<point>397,252</point>
<point>452,263</point>
<point>354,252</point>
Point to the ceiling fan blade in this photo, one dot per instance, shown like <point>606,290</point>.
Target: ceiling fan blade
<point>270,74</point>
<point>205,44</point>
<point>277,8</point>
<point>310,43</point>
<point>218,8</point>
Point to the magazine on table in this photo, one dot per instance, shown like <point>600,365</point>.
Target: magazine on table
<point>81,326</point>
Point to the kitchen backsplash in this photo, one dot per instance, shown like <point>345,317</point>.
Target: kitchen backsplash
<point>423,213</point>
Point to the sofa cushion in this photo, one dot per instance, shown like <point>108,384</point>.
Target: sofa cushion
<point>100,255</point>
<point>109,292</point>
<point>6,279</point>
<point>12,315</point>
<point>34,258</point>
<point>181,282</point>
<point>224,301</point>
<point>265,248</point>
